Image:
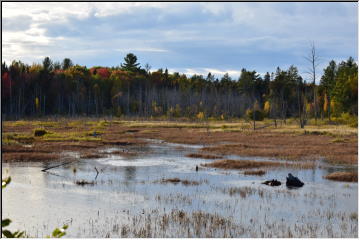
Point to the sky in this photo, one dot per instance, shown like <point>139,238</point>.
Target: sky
<point>183,37</point>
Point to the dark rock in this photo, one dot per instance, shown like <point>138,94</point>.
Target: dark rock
<point>273,182</point>
<point>292,181</point>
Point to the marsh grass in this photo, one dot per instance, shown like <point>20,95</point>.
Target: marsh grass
<point>255,172</point>
<point>91,155</point>
<point>245,164</point>
<point>177,180</point>
<point>343,176</point>
<point>16,138</point>
<point>287,142</point>
<point>240,164</point>
<point>29,157</point>
<point>84,182</point>
<point>201,155</point>
<point>179,223</point>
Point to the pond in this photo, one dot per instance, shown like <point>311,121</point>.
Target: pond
<point>130,197</point>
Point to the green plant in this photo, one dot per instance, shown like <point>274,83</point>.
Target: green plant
<point>59,232</point>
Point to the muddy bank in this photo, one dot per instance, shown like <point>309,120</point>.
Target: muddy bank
<point>343,176</point>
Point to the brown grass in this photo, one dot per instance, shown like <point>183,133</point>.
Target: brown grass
<point>29,157</point>
<point>255,172</point>
<point>91,155</point>
<point>240,164</point>
<point>281,143</point>
<point>200,155</point>
<point>243,164</point>
<point>343,176</point>
<point>286,142</point>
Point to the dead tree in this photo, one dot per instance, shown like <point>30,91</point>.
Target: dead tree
<point>313,59</point>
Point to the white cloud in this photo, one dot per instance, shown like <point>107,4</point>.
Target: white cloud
<point>194,37</point>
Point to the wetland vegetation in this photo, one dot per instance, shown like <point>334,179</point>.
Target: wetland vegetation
<point>240,129</point>
<point>138,178</point>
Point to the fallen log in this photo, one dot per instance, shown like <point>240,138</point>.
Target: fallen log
<point>59,165</point>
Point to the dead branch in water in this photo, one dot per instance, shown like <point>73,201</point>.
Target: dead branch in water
<point>97,173</point>
<point>45,169</point>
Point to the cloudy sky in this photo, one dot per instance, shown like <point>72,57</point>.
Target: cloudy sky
<point>185,37</point>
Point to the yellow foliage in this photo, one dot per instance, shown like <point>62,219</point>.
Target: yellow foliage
<point>326,103</point>
<point>200,115</point>
<point>267,107</point>
<point>157,109</point>
<point>177,110</point>
<point>309,107</point>
<point>335,108</point>
<point>35,68</point>
<point>37,103</point>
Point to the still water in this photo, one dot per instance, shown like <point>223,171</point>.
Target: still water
<point>128,199</point>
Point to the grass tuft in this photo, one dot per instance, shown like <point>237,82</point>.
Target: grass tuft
<point>343,176</point>
<point>255,172</point>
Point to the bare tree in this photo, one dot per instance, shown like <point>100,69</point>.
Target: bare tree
<point>313,59</point>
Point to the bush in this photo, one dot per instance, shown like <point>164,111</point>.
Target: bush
<point>39,132</point>
<point>348,119</point>
<point>259,115</point>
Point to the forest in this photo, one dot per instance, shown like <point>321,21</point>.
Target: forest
<point>67,89</point>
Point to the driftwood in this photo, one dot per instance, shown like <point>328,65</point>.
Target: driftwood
<point>97,172</point>
<point>45,169</point>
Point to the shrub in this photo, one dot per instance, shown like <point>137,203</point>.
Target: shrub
<point>39,132</point>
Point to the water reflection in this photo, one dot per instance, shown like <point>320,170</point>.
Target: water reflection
<point>130,173</point>
<point>127,188</point>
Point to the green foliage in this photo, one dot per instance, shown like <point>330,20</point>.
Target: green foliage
<point>130,63</point>
<point>9,234</point>
<point>348,119</point>
<point>4,183</point>
<point>128,90</point>
<point>59,232</point>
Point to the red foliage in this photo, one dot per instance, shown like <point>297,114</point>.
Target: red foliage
<point>102,72</point>
<point>6,84</point>
<point>58,71</point>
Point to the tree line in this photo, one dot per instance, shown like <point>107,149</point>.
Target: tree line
<point>54,88</point>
